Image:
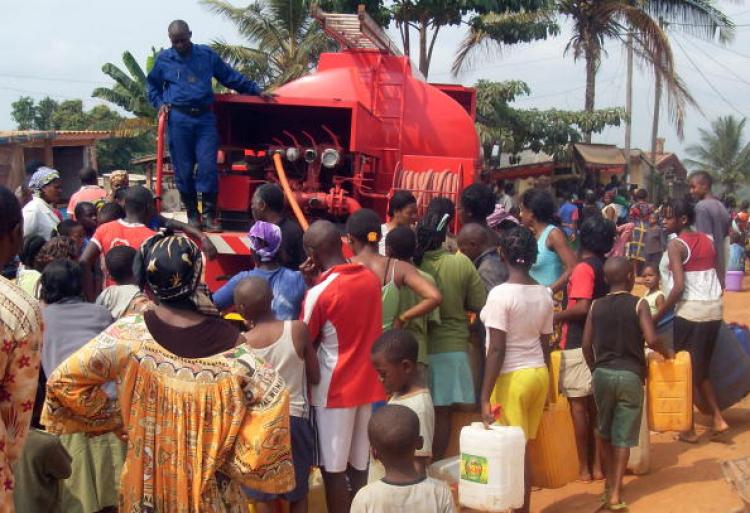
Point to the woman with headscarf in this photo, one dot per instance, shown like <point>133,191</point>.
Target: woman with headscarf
<point>40,217</point>
<point>117,180</point>
<point>288,286</point>
<point>190,402</point>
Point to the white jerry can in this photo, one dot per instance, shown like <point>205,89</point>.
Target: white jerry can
<point>640,457</point>
<point>492,466</point>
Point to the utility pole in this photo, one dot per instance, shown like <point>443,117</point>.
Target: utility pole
<point>629,106</point>
<point>655,125</point>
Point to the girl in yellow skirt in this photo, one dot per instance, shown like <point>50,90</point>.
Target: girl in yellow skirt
<point>518,320</point>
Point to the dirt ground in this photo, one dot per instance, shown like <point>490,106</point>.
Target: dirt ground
<point>684,478</point>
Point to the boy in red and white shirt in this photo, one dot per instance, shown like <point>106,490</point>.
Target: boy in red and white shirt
<point>343,314</point>
<point>131,231</point>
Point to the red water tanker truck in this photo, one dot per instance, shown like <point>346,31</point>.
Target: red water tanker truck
<point>363,125</point>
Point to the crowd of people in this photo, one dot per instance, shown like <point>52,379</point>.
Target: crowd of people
<point>355,346</point>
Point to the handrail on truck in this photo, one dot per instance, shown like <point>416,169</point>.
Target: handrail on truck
<point>160,133</point>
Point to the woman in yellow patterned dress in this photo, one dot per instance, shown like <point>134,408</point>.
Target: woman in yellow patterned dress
<point>189,411</point>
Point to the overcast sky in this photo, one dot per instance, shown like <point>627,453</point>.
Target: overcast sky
<point>56,48</point>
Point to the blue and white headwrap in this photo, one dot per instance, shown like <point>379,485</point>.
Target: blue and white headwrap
<point>43,176</point>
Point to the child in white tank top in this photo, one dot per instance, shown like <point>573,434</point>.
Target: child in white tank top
<point>285,345</point>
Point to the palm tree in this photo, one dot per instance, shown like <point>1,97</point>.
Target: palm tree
<point>283,41</point>
<point>129,91</point>
<point>596,21</point>
<point>723,152</point>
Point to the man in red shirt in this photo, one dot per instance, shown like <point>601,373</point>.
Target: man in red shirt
<point>343,314</point>
<point>131,231</point>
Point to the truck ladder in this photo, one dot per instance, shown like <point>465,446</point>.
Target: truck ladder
<point>355,31</point>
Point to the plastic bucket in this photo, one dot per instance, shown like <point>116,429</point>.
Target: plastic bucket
<point>734,281</point>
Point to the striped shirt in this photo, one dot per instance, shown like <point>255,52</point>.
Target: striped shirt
<point>343,315</point>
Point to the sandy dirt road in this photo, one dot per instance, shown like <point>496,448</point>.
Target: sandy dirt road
<point>684,478</point>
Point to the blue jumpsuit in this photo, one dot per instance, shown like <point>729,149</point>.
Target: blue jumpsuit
<point>185,82</point>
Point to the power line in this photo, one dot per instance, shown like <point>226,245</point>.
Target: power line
<point>710,84</point>
<point>711,25</point>
<point>730,70</point>
<point>726,49</point>
<point>51,95</point>
<point>52,79</point>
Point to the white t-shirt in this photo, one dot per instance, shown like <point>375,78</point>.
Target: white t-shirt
<point>426,496</point>
<point>39,218</point>
<point>523,312</point>
<point>419,402</point>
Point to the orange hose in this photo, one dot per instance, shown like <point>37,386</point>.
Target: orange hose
<point>289,193</point>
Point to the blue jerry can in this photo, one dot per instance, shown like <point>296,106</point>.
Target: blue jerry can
<point>729,371</point>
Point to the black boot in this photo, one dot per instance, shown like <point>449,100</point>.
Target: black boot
<point>210,218</point>
<point>191,206</point>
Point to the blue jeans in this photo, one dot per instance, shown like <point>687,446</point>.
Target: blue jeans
<point>193,140</point>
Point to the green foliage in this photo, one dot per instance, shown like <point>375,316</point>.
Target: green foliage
<point>283,42</point>
<point>113,153</point>
<point>69,115</point>
<point>593,22</point>
<point>43,115</point>
<point>427,17</point>
<point>723,152</point>
<point>515,130</point>
<point>129,91</point>
<point>23,112</point>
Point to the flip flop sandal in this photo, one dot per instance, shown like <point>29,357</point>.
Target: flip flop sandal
<point>620,506</point>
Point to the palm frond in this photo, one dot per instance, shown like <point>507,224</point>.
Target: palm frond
<point>698,18</point>
<point>493,32</point>
<point>652,44</point>
<point>134,127</point>
<point>135,70</point>
<point>112,96</point>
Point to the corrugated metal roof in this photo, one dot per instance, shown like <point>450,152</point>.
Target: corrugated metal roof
<point>22,136</point>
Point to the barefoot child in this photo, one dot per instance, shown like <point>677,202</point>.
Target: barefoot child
<point>696,297</point>
<point>613,347</point>
<point>394,437</point>
<point>394,356</point>
<point>285,345</point>
<point>586,284</point>
<point>518,322</point>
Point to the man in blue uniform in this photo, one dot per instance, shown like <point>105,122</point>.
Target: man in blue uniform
<point>180,83</point>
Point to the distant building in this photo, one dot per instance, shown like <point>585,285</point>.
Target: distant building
<point>662,174</point>
<point>65,150</point>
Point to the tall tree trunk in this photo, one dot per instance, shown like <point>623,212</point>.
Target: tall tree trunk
<point>629,107</point>
<point>655,135</point>
<point>424,63</point>
<point>657,109</point>
<point>591,65</point>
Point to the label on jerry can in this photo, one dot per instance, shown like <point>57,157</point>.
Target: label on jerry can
<point>474,468</point>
